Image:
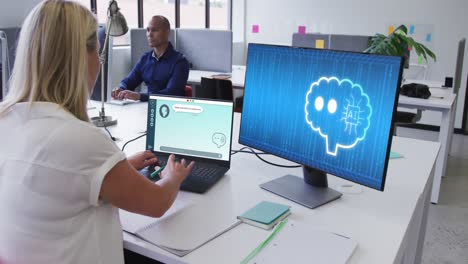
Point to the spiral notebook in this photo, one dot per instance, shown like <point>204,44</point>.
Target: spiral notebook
<point>170,232</point>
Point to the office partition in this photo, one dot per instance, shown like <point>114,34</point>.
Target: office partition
<point>349,42</point>
<point>313,40</point>
<point>206,49</point>
<point>139,43</point>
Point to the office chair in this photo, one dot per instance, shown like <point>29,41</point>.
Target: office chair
<point>406,118</point>
<point>239,102</point>
<point>188,91</point>
<point>213,88</point>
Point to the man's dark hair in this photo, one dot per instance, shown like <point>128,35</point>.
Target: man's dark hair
<point>164,22</point>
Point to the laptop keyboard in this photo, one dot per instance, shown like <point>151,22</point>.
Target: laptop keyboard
<point>202,177</point>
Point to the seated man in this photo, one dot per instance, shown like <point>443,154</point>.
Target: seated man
<point>163,69</point>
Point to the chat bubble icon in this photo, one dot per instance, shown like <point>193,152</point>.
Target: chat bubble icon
<point>339,111</point>
<point>219,139</point>
<point>191,109</point>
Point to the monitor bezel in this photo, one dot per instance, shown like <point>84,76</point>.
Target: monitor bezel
<point>223,163</point>
<point>395,106</point>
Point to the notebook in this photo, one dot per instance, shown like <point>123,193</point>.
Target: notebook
<point>192,129</point>
<point>184,228</point>
<point>265,214</point>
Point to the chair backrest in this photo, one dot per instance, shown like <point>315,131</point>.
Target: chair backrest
<point>188,91</point>
<point>215,89</point>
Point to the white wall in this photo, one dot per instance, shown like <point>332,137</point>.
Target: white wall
<point>12,13</point>
<point>279,19</point>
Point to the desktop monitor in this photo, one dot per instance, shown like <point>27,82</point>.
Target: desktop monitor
<point>330,111</point>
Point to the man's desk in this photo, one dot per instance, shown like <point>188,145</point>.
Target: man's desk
<point>388,226</point>
<point>237,76</point>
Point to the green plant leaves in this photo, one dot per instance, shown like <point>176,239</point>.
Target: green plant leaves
<point>397,44</point>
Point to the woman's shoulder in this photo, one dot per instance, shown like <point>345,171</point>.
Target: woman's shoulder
<point>79,134</point>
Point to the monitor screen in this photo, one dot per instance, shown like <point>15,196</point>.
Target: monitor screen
<point>329,110</point>
<point>192,127</point>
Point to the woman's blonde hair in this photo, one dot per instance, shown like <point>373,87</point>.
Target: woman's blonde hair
<point>51,60</point>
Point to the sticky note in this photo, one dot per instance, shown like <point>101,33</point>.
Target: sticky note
<point>429,37</point>
<point>319,43</point>
<point>390,30</point>
<point>302,30</point>
<point>411,29</point>
<point>255,29</point>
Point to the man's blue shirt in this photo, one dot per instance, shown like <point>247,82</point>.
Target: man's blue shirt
<point>167,74</point>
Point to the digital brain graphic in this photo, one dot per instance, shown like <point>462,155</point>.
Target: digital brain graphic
<point>340,111</point>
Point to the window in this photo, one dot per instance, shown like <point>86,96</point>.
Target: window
<point>192,13</point>
<point>158,7</point>
<point>219,14</point>
<point>128,8</point>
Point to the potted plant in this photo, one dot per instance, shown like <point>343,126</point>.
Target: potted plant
<point>398,43</point>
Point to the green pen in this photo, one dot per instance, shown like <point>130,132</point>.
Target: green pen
<point>156,172</point>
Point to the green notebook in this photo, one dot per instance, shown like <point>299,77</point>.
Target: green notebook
<point>265,214</point>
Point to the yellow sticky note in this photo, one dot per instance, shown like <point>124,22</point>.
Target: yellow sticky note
<point>319,43</point>
<point>390,29</point>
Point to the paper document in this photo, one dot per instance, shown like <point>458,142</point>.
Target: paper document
<point>184,228</point>
<point>301,243</point>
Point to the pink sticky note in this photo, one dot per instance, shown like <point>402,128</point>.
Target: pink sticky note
<point>255,29</point>
<point>302,30</point>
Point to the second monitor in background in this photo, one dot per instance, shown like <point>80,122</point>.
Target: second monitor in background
<point>330,111</point>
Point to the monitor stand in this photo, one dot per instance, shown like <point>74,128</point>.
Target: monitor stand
<point>312,191</point>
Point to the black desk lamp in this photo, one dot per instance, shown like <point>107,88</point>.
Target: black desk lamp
<point>115,26</point>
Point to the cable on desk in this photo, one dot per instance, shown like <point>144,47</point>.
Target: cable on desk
<point>113,138</point>
<point>251,151</point>
<point>131,140</point>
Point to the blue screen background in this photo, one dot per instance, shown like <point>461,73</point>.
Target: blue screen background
<point>274,119</point>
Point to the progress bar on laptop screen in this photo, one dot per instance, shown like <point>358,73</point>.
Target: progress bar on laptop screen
<point>191,152</point>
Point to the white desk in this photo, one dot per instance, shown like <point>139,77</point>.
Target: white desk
<point>237,76</point>
<point>389,226</point>
<point>447,106</point>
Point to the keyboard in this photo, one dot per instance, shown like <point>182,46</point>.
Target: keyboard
<point>202,177</point>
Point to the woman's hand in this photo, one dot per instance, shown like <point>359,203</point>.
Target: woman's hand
<point>143,159</point>
<point>177,170</point>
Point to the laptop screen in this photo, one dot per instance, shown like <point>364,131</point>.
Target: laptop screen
<point>191,127</point>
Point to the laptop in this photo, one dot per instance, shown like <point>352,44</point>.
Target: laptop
<point>192,129</point>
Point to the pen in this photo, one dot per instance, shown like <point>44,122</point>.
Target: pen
<point>265,242</point>
<point>156,172</point>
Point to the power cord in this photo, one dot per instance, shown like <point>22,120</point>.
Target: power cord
<point>113,138</point>
<point>251,151</point>
<point>131,140</point>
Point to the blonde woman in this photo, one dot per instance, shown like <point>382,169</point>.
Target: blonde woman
<point>62,179</point>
